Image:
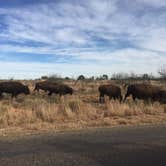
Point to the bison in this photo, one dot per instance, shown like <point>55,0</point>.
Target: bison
<point>146,92</point>
<point>60,89</point>
<point>53,87</point>
<point>44,85</point>
<point>162,96</point>
<point>13,88</point>
<point>110,90</point>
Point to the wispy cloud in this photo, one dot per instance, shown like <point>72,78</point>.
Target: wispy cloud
<point>110,34</point>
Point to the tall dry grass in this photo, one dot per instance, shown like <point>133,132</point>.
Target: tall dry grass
<point>38,111</point>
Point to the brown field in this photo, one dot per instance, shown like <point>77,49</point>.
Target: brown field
<point>81,110</point>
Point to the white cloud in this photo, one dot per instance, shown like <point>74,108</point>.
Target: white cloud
<point>154,3</point>
<point>67,23</point>
<point>155,39</point>
<point>88,30</point>
<point>126,60</point>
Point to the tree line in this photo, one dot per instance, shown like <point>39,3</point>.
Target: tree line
<point>115,76</point>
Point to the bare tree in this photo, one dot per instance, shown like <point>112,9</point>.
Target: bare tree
<point>162,72</point>
<point>81,77</point>
<point>105,77</point>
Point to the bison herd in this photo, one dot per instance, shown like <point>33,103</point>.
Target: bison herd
<point>15,88</point>
<point>146,92</point>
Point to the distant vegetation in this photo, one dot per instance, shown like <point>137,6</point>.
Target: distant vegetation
<point>162,72</point>
<point>115,76</point>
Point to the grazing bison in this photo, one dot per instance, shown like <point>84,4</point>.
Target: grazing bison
<point>44,85</point>
<point>60,89</point>
<point>145,92</point>
<point>162,96</point>
<point>14,88</point>
<point>110,90</point>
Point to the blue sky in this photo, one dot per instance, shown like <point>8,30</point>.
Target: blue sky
<point>90,37</point>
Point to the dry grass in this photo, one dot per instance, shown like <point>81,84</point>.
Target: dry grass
<point>38,111</point>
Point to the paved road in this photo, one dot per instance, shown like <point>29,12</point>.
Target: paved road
<point>123,146</point>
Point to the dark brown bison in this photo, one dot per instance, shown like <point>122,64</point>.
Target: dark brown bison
<point>110,90</point>
<point>13,88</point>
<point>162,96</point>
<point>53,87</point>
<point>44,85</point>
<point>60,89</point>
<point>146,92</point>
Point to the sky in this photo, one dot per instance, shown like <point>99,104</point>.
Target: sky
<point>73,37</point>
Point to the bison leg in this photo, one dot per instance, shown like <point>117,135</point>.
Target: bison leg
<point>133,97</point>
<point>1,96</point>
<point>50,93</point>
<point>36,89</point>
<point>101,98</point>
<point>110,97</point>
<point>14,95</point>
<point>148,101</point>
<point>120,98</point>
<point>125,97</point>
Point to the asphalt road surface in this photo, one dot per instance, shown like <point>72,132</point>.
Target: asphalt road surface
<point>122,146</point>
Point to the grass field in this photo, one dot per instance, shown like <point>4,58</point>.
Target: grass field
<point>37,111</point>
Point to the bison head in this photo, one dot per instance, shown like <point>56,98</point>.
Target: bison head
<point>26,90</point>
<point>70,91</point>
<point>162,97</point>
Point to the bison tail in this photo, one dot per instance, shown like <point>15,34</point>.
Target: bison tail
<point>125,97</point>
<point>120,98</point>
<point>36,88</point>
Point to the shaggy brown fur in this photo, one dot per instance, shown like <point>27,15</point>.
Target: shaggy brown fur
<point>110,90</point>
<point>60,89</point>
<point>44,85</point>
<point>14,88</point>
<point>145,92</point>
